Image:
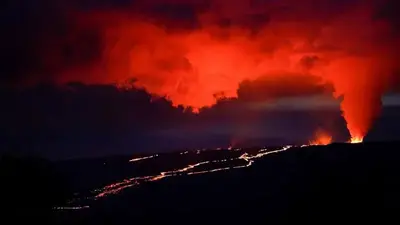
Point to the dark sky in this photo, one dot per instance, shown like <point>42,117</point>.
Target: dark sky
<point>58,72</point>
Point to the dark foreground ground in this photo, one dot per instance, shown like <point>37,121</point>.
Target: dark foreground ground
<point>337,183</point>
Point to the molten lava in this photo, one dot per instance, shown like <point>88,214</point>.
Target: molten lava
<point>355,140</point>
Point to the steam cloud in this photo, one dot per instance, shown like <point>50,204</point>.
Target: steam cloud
<point>194,52</point>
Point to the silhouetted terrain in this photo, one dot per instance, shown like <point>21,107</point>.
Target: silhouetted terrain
<point>320,183</point>
<point>30,187</point>
<point>338,182</point>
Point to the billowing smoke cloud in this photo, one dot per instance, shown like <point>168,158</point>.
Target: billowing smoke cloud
<point>194,52</point>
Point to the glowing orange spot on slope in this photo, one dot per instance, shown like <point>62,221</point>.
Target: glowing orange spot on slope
<point>321,138</point>
<point>354,140</point>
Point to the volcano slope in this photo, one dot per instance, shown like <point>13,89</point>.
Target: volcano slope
<point>357,182</point>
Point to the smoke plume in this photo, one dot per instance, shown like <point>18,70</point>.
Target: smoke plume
<point>194,52</point>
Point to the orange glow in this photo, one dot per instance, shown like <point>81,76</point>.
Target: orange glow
<point>194,67</point>
<point>321,138</point>
<point>355,140</point>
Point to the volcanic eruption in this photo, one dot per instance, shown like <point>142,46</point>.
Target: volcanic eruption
<point>195,52</point>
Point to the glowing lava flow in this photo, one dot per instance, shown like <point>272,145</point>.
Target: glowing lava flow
<point>143,158</point>
<point>323,138</point>
<point>246,157</point>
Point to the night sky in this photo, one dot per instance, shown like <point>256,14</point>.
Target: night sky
<point>89,78</point>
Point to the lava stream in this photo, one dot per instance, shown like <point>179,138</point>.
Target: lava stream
<point>143,158</point>
<point>119,186</point>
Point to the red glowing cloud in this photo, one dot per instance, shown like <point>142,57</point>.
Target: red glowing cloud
<point>200,52</point>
